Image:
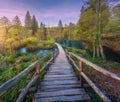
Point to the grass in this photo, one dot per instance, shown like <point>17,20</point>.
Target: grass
<point>109,65</point>
<point>15,68</point>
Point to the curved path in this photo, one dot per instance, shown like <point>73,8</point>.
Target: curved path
<point>60,83</point>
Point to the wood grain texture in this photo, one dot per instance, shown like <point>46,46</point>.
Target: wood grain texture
<point>60,83</point>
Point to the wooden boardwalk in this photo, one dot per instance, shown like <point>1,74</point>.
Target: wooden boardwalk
<point>60,83</point>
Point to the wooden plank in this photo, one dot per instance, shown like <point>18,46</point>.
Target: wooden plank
<point>57,70</point>
<point>75,98</point>
<point>60,86</point>
<point>60,93</point>
<point>61,78</point>
<point>62,68</point>
<point>60,73</point>
<point>47,76</point>
<point>60,82</point>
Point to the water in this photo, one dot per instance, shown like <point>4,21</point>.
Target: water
<point>23,50</point>
<point>42,52</point>
<point>73,43</point>
<point>46,52</point>
<point>4,64</point>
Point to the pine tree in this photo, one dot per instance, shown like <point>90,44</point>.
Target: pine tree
<point>16,21</point>
<point>44,31</point>
<point>60,29</point>
<point>28,20</point>
<point>41,25</point>
<point>34,25</point>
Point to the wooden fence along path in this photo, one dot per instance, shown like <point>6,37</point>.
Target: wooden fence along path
<point>60,83</point>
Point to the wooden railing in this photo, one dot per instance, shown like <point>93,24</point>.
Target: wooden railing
<point>35,79</point>
<point>95,67</point>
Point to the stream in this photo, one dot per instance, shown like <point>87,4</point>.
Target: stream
<point>41,52</point>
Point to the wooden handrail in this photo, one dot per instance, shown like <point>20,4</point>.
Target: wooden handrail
<point>98,68</point>
<point>34,79</point>
<point>95,88</point>
<point>15,79</point>
<point>10,83</point>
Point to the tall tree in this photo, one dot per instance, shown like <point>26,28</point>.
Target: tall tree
<point>41,25</point>
<point>92,23</point>
<point>45,32</point>
<point>17,24</point>
<point>16,21</point>
<point>60,29</point>
<point>102,19</point>
<point>28,20</point>
<point>34,25</point>
<point>5,22</point>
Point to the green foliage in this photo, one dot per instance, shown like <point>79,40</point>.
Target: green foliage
<point>28,20</point>
<point>31,43</point>
<point>34,25</point>
<point>16,68</point>
<point>9,59</point>
<point>113,25</point>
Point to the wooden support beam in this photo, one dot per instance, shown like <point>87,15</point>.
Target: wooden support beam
<point>38,73</point>
<point>81,70</point>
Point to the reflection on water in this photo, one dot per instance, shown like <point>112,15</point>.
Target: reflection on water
<point>42,52</point>
<point>46,52</point>
<point>39,52</point>
<point>73,43</point>
<point>23,50</point>
<point>4,64</point>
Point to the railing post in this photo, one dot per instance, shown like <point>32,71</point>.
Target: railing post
<point>53,56</point>
<point>81,70</point>
<point>38,73</point>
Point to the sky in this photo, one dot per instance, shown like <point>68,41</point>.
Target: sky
<point>46,11</point>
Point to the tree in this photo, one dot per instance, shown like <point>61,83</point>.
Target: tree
<point>71,28</point>
<point>113,25</point>
<point>17,27</point>
<point>34,25</point>
<point>92,23</point>
<point>4,21</point>
<point>45,32</point>
<point>17,24</point>
<point>28,20</point>
<point>41,25</point>
<point>60,29</point>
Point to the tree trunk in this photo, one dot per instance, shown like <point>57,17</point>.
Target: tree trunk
<point>94,52</point>
<point>101,52</point>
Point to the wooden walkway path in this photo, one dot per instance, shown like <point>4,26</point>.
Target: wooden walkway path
<point>60,83</point>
